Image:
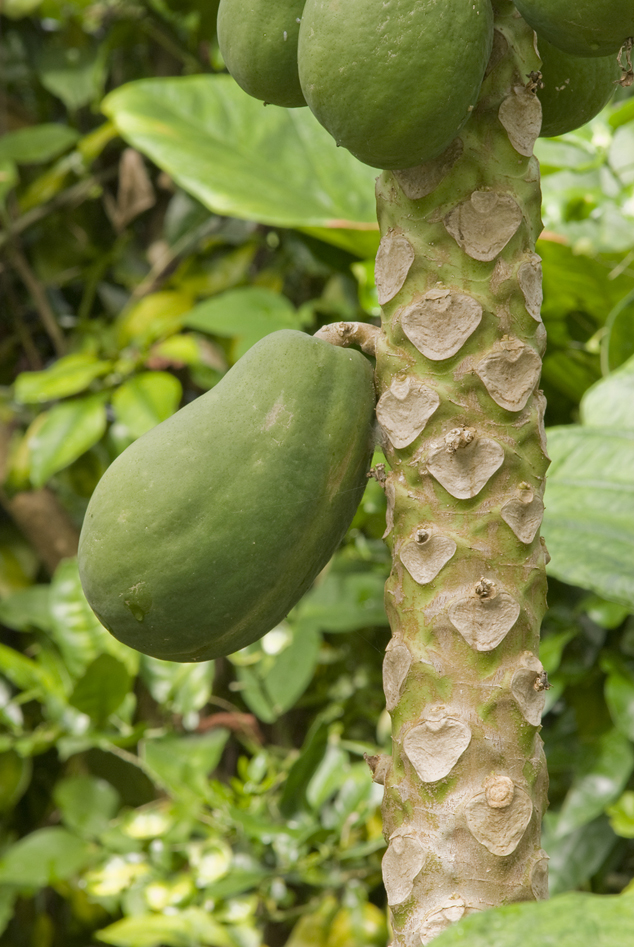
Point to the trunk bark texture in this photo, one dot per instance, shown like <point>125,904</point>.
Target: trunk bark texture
<point>458,364</point>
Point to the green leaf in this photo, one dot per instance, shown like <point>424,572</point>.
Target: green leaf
<point>7,898</point>
<point>86,804</point>
<point>609,402</point>
<point>67,376</point>
<point>8,178</point>
<point>156,316</point>
<point>274,165</point>
<point>145,400</point>
<point>617,343</point>
<point>28,675</point>
<point>622,815</point>
<point>599,782</point>
<point>293,669</point>
<point>183,764</point>
<point>102,688</point>
<point>27,609</point>
<point>44,857</point>
<point>249,313</point>
<point>77,632</point>
<point>575,858</point>
<point>180,688</point>
<point>190,928</point>
<point>17,9</point>
<point>571,920</point>
<point>37,144</point>
<point>276,671</point>
<point>67,431</point>
<point>300,773</point>
<point>73,74</point>
<point>15,776</point>
<point>589,521</point>
<point>619,697</point>
<point>344,602</point>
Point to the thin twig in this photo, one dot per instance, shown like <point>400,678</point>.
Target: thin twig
<point>40,299</point>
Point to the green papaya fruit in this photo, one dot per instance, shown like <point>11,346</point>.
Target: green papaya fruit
<point>206,531</point>
<point>258,42</point>
<point>394,81</point>
<point>575,89</point>
<point>581,27</point>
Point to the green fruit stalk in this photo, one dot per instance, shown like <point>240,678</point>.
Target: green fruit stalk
<point>458,366</point>
<point>206,531</point>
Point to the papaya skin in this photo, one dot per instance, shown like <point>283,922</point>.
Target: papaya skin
<point>206,531</point>
<point>391,80</point>
<point>581,27</point>
<point>575,89</point>
<point>258,42</point>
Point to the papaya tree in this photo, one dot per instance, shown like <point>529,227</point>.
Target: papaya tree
<point>447,101</point>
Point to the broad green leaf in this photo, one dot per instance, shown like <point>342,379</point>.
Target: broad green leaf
<point>8,178</point>
<point>598,783</point>
<point>609,402</point>
<point>8,896</point>
<point>74,74</point>
<point>328,777</point>
<point>67,376</point>
<point>68,431</point>
<point>294,794</point>
<point>86,804</point>
<point>619,697</point>
<point>277,166</point>
<point>27,609</point>
<point>17,9</point>
<point>29,675</point>
<point>589,521</point>
<point>622,815</point>
<point>192,927</point>
<point>44,857</point>
<point>180,688</point>
<point>183,764</point>
<point>102,688</point>
<point>344,602</point>
<point>276,671</point>
<point>248,313</point>
<point>37,144</point>
<point>145,400</point>
<point>571,920</point>
<point>15,776</point>
<point>77,632</point>
<point>617,344</point>
<point>154,317</point>
<point>575,858</point>
<point>293,670</point>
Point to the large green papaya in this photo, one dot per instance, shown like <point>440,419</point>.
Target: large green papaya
<point>258,42</point>
<point>581,27</point>
<point>394,81</point>
<point>575,89</point>
<point>206,531</point>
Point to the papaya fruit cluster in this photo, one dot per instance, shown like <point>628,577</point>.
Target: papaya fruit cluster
<point>394,81</point>
<point>206,531</point>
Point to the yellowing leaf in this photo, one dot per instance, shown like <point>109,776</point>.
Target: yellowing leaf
<point>67,376</point>
<point>153,317</point>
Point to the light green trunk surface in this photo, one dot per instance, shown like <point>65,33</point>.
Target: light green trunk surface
<point>458,364</point>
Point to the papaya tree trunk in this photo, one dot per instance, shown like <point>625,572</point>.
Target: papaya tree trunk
<point>458,364</point>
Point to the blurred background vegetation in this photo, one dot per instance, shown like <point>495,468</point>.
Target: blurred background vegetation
<point>148,240</point>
